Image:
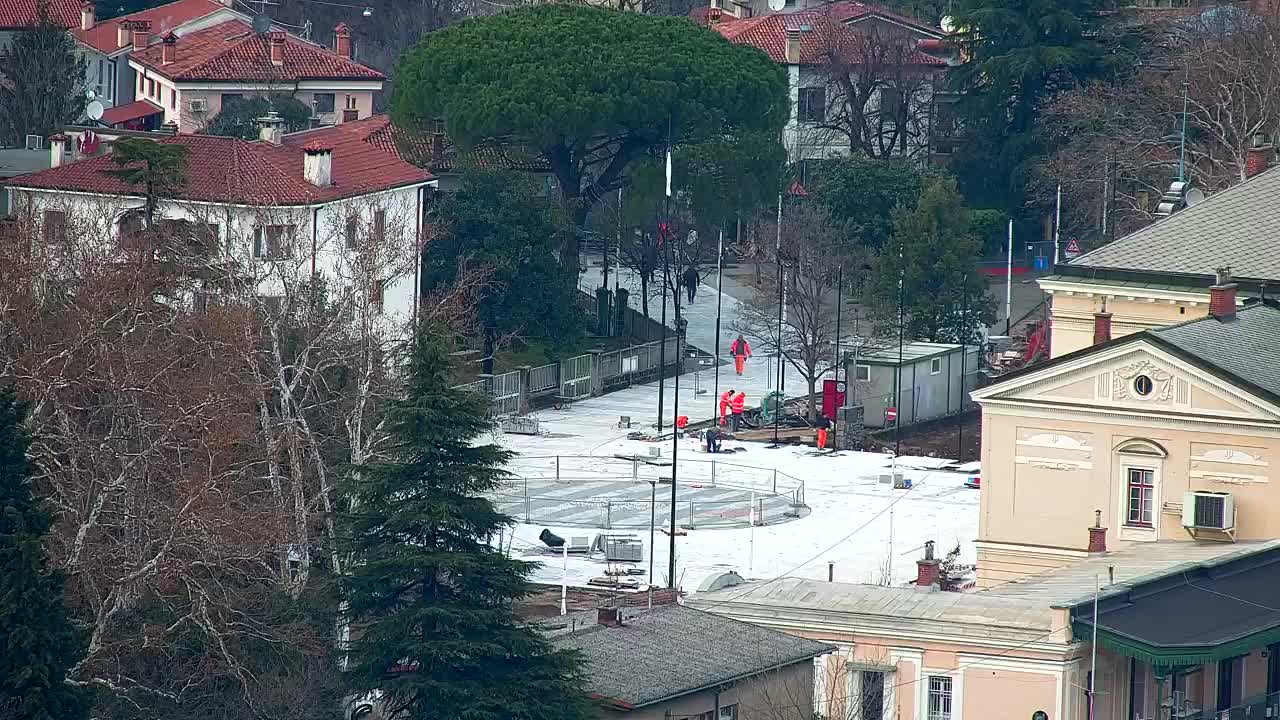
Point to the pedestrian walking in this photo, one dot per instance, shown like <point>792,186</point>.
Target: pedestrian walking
<point>737,405</point>
<point>740,351</point>
<point>725,400</point>
<point>691,282</point>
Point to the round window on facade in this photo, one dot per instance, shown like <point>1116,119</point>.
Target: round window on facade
<point>1143,385</point>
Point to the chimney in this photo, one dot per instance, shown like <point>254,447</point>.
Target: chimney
<point>1101,325</point>
<point>342,40</point>
<point>276,41</point>
<point>793,46</point>
<point>86,15</point>
<point>123,34</point>
<point>928,568</point>
<point>168,48</point>
<point>1222,296</point>
<point>317,163</point>
<point>141,34</point>
<point>609,617</point>
<point>271,128</point>
<point>1097,534</point>
<point>437,147</point>
<point>1259,157</point>
<point>714,12</point>
<point>57,147</point>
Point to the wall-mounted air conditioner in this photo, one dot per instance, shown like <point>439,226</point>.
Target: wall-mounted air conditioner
<point>1206,510</point>
<point>35,142</point>
<point>199,105</point>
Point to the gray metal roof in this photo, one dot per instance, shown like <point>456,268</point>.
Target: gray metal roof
<point>20,161</point>
<point>1236,227</point>
<point>1074,583</point>
<point>1243,346</point>
<point>675,650</point>
<point>911,352</point>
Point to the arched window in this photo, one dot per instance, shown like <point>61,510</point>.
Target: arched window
<point>1140,462</point>
<point>1142,446</point>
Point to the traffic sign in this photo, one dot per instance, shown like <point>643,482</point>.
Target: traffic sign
<point>1072,250</point>
<point>890,414</point>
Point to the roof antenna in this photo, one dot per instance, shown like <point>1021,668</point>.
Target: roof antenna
<point>1262,292</point>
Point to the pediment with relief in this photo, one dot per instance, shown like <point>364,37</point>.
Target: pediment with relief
<point>1142,379</point>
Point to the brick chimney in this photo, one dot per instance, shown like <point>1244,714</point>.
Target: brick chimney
<point>1258,158</point>
<point>1222,296</point>
<point>1097,534</point>
<point>609,617</point>
<point>141,34</point>
<point>1101,326</point>
<point>276,41</point>
<point>342,40</point>
<point>317,163</point>
<point>123,34</point>
<point>793,46</point>
<point>168,48</point>
<point>928,568</point>
<point>57,147</point>
<point>87,15</point>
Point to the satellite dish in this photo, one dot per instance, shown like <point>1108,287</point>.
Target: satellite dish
<point>94,110</point>
<point>261,23</point>
<point>948,24</point>
<point>1194,197</point>
<point>90,95</point>
<point>368,12</point>
<point>777,5</point>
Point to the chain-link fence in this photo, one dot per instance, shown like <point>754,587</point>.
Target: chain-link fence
<point>618,493</point>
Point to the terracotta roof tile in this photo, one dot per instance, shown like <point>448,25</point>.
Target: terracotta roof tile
<point>103,35</point>
<point>769,32</point>
<point>230,170</point>
<point>416,149</point>
<point>231,51</point>
<point>23,13</point>
<point>132,111</point>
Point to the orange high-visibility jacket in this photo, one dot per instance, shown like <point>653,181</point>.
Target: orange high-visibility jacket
<point>725,399</point>
<point>739,403</point>
<point>743,348</point>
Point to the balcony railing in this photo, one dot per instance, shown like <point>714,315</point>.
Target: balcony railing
<point>1259,707</point>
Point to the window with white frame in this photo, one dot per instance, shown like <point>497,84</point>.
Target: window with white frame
<point>729,712</point>
<point>1141,489</point>
<point>935,366</point>
<point>811,104</point>
<point>939,697</point>
<point>862,373</point>
<point>273,242</point>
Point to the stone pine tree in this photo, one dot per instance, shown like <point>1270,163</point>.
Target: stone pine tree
<point>38,642</point>
<point>428,599</point>
<point>41,81</point>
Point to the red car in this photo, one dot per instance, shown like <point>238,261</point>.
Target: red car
<point>973,481</point>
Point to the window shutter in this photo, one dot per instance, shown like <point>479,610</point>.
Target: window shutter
<point>257,242</point>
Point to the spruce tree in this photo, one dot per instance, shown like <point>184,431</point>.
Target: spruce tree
<point>38,643</point>
<point>428,598</point>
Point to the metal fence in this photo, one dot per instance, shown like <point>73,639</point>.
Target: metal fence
<point>638,359</point>
<point>620,493</point>
<point>575,377</point>
<point>544,378</point>
<point>504,390</point>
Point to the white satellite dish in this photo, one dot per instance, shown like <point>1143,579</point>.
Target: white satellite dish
<point>1195,196</point>
<point>94,110</point>
<point>948,24</point>
<point>777,5</point>
<point>261,23</point>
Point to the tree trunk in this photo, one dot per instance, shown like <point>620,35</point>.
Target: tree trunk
<point>813,402</point>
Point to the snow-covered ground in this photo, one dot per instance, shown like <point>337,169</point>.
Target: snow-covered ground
<point>868,529</point>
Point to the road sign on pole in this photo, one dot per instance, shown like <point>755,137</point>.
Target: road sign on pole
<point>890,415</point>
<point>1072,250</point>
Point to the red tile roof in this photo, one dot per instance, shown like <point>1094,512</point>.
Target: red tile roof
<point>103,35</point>
<point>132,111</point>
<point>232,52</point>
<point>234,171</point>
<point>836,22</point>
<point>16,14</point>
<point>416,149</point>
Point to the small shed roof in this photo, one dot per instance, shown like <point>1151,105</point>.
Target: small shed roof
<point>911,353</point>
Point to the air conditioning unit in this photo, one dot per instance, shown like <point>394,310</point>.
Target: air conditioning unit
<point>1206,510</point>
<point>199,105</point>
<point>34,142</point>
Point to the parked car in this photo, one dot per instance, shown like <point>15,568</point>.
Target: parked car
<point>974,480</point>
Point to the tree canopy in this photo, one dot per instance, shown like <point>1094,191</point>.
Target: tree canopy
<point>497,221</point>
<point>429,592</point>
<point>41,81</point>
<point>862,193</point>
<point>592,89</point>
<point>38,643</point>
<point>932,253</point>
<point>1021,53</point>
<point>239,118</point>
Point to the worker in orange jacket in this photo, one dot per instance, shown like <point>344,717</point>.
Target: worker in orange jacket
<point>725,399</point>
<point>740,351</point>
<point>736,406</point>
